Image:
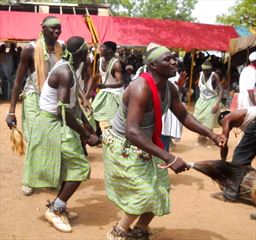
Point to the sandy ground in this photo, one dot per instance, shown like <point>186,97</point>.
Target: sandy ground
<point>195,215</point>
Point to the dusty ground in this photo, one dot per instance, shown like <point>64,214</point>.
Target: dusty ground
<point>195,215</point>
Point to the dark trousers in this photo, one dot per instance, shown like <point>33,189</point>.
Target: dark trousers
<point>243,156</point>
<point>246,149</point>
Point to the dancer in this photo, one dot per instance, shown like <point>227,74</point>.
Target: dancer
<point>55,154</point>
<point>37,59</point>
<point>135,163</point>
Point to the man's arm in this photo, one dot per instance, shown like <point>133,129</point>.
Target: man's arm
<point>252,97</point>
<point>216,81</point>
<point>139,97</point>
<point>91,83</point>
<point>65,81</point>
<point>236,119</point>
<point>117,74</point>
<point>23,67</point>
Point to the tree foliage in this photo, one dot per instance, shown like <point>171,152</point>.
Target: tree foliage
<point>243,13</point>
<point>167,9</point>
<point>163,9</point>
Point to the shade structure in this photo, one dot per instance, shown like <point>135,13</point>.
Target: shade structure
<point>122,30</point>
<point>27,26</point>
<point>174,34</point>
<point>240,48</point>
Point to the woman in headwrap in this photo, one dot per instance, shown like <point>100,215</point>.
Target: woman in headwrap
<point>37,59</point>
<point>136,165</point>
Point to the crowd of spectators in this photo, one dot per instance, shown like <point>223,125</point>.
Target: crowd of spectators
<point>131,60</point>
<point>9,61</point>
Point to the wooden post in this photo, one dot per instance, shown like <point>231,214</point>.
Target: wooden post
<point>191,76</point>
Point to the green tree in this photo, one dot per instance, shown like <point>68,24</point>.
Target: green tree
<point>163,9</point>
<point>166,9</point>
<point>243,13</point>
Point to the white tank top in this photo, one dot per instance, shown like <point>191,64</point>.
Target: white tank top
<point>110,78</point>
<point>49,96</point>
<point>206,90</point>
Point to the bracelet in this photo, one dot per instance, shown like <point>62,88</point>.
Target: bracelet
<point>175,159</point>
<point>163,166</point>
<point>10,114</point>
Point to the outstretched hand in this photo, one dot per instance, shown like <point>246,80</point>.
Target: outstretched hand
<point>219,139</point>
<point>177,165</point>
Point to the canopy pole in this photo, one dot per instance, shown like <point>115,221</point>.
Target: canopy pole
<point>95,37</point>
<point>229,72</point>
<point>191,76</point>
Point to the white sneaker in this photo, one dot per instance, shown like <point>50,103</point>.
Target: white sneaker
<point>59,220</point>
<point>27,191</point>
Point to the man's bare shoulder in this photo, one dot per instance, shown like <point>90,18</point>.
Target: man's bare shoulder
<point>139,87</point>
<point>28,51</point>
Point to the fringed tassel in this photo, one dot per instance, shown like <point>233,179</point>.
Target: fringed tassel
<point>17,141</point>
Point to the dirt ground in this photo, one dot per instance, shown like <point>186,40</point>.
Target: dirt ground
<point>195,214</point>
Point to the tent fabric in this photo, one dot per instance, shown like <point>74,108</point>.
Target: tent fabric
<point>175,34</point>
<point>242,31</point>
<point>26,26</point>
<point>240,48</point>
<point>242,43</point>
<point>122,30</point>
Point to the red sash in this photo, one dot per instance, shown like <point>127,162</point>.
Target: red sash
<point>157,107</point>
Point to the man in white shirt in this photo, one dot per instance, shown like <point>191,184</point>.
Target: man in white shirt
<point>247,84</point>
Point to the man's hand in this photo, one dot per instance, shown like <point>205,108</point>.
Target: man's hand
<point>11,120</point>
<point>176,164</point>
<point>87,105</point>
<point>182,79</point>
<point>219,139</point>
<point>92,140</point>
<point>215,109</point>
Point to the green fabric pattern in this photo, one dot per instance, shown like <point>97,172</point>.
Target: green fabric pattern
<point>30,107</point>
<point>55,154</point>
<point>105,106</point>
<point>133,180</point>
<point>203,112</point>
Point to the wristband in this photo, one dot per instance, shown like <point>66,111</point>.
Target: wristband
<point>10,114</point>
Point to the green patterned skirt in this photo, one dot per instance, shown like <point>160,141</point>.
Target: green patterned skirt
<point>105,106</point>
<point>54,154</point>
<point>203,112</point>
<point>133,180</point>
<point>30,107</point>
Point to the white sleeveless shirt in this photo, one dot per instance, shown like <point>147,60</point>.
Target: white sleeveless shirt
<point>49,96</point>
<point>31,85</point>
<point>206,89</point>
<point>108,78</point>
